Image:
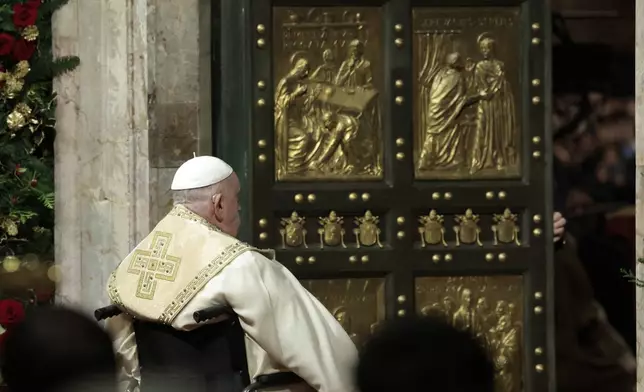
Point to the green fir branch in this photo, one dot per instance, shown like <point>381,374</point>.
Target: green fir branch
<point>51,6</point>
<point>631,276</point>
<point>63,65</point>
<point>22,215</point>
<point>5,11</point>
<point>48,200</point>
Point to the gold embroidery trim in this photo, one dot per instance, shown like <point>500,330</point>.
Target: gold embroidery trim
<point>154,264</point>
<point>113,292</point>
<point>184,213</point>
<point>230,253</point>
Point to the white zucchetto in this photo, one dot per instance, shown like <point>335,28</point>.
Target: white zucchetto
<point>199,172</point>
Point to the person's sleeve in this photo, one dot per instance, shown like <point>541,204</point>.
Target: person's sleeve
<point>122,331</point>
<point>290,324</point>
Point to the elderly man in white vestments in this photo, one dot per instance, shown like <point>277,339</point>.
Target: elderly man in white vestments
<point>286,328</point>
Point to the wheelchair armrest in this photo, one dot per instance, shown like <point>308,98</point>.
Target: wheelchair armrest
<point>212,312</point>
<point>106,312</point>
<point>273,380</point>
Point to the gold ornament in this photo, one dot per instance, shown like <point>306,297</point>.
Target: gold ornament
<point>11,264</point>
<point>30,33</point>
<point>23,109</point>
<point>13,86</point>
<point>22,69</point>
<point>16,120</point>
<point>10,227</point>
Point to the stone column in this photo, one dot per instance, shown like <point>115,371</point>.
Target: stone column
<point>179,91</point>
<point>102,166</point>
<point>639,187</point>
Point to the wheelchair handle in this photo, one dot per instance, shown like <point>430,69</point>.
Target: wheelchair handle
<point>106,312</point>
<point>212,312</point>
<point>199,316</point>
<point>273,380</point>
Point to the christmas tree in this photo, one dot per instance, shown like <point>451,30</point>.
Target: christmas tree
<point>27,131</point>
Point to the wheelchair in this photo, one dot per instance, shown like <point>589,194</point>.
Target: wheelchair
<point>209,358</point>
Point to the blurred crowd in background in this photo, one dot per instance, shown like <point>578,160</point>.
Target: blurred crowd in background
<point>594,149</point>
<point>593,126</point>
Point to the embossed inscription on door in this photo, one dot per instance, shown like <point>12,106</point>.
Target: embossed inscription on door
<point>357,304</point>
<point>467,111</point>
<point>489,306</point>
<point>328,81</point>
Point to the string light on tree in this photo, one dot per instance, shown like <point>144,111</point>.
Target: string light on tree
<point>11,264</point>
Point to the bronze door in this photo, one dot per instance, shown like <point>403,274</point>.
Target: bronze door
<point>395,155</point>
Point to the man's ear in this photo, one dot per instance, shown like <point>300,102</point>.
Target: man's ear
<point>216,201</point>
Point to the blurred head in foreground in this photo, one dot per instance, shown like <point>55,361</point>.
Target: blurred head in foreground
<point>423,354</point>
<point>58,350</point>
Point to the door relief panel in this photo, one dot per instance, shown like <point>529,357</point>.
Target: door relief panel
<point>328,74</point>
<point>489,306</point>
<point>467,111</point>
<point>357,304</point>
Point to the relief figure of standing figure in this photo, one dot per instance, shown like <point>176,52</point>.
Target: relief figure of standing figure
<point>355,71</point>
<point>293,122</point>
<point>505,343</point>
<point>444,135</point>
<point>355,74</point>
<point>463,317</point>
<point>494,143</point>
<point>326,72</point>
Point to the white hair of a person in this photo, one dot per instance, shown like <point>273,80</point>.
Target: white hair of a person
<point>198,196</point>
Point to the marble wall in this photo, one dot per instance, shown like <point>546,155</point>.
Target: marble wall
<point>136,108</point>
<point>639,188</point>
